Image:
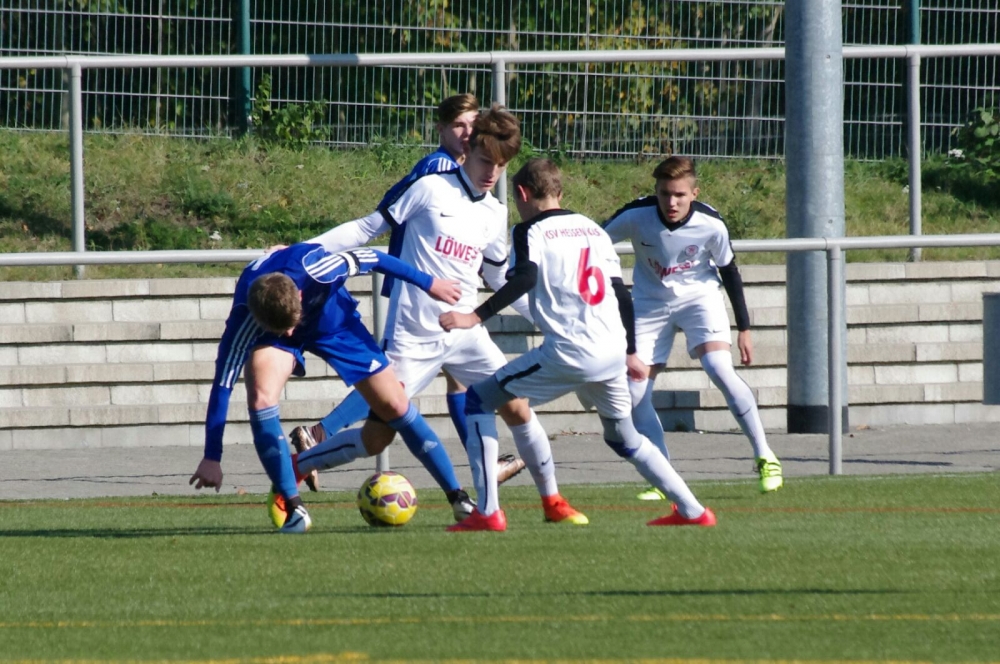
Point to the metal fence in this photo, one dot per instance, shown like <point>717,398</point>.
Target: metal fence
<point>709,109</point>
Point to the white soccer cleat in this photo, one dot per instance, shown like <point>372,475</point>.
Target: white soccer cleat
<point>297,523</point>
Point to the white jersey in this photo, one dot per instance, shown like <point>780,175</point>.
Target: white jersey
<point>674,263</point>
<point>573,302</point>
<point>450,230</point>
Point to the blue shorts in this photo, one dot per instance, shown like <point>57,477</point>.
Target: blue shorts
<point>350,350</point>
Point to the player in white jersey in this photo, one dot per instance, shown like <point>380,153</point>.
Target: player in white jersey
<point>683,257</point>
<point>568,267</point>
<point>454,227</point>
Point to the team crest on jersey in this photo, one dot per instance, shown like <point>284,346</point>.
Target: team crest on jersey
<point>690,250</point>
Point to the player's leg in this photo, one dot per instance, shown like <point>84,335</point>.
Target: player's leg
<point>455,396</point>
<point>267,370</point>
<point>654,338</point>
<point>621,436</point>
<point>717,360</point>
<point>482,446</point>
<point>472,357</point>
<point>416,365</point>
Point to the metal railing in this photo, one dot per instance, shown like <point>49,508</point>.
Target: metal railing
<point>834,249</point>
<point>497,60</point>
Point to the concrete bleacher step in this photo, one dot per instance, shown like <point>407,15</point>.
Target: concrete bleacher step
<point>129,362</point>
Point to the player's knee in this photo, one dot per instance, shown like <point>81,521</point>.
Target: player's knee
<point>623,446</point>
<point>515,412</point>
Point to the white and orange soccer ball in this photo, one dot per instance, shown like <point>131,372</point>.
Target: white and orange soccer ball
<point>387,499</point>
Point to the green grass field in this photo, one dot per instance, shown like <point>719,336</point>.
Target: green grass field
<point>902,568</point>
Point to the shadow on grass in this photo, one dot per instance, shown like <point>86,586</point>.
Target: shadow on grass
<point>38,224</point>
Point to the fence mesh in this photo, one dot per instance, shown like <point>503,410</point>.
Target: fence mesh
<point>706,109</point>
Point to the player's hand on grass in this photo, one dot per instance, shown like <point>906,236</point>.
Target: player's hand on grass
<point>446,290</point>
<point>745,345</point>
<point>208,475</point>
<point>637,369</point>
<point>455,320</point>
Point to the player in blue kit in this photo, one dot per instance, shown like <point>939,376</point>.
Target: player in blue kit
<point>287,302</point>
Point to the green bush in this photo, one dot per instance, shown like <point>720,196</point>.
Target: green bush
<point>979,145</point>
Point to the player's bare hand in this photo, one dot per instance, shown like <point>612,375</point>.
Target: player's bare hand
<point>745,344</point>
<point>446,290</point>
<point>275,247</point>
<point>208,475</point>
<point>455,320</point>
<point>637,369</point>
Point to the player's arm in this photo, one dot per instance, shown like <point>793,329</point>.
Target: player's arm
<point>733,283</point>
<point>351,234</point>
<point>520,280</point>
<point>351,263</point>
<point>240,334</point>
<point>637,369</point>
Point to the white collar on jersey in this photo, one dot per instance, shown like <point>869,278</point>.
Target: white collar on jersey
<point>473,193</point>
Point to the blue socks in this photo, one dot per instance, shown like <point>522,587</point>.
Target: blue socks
<point>421,440</point>
<point>456,408</point>
<point>352,409</point>
<point>272,450</point>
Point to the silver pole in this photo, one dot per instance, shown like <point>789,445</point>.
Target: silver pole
<point>835,355</point>
<point>915,148</point>
<point>76,161</point>
<point>500,97</point>
<point>378,323</point>
<point>814,152</point>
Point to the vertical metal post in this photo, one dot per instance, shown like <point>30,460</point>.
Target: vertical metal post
<point>378,325</point>
<point>500,97</point>
<point>991,349</point>
<point>835,354</point>
<point>76,161</point>
<point>914,148</point>
<point>814,151</point>
<point>242,94</point>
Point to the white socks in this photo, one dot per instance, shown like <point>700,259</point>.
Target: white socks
<point>482,447</point>
<point>341,448</point>
<point>655,468</point>
<point>718,364</point>
<point>533,445</point>
<point>644,416</point>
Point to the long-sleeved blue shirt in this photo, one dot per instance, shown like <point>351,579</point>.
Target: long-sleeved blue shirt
<point>326,306</point>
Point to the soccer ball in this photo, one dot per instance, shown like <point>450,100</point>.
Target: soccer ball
<point>387,499</point>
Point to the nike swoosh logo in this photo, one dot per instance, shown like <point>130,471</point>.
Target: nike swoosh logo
<point>445,214</point>
<point>645,245</point>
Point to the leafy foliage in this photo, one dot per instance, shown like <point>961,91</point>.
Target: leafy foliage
<point>979,141</point>
<point>293,125</point>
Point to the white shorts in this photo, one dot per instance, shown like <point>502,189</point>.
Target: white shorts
<point>469,356</point>
<point>534,377</point>
<point>702,320</point>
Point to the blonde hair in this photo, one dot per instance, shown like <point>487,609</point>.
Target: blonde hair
<point>274,302</point>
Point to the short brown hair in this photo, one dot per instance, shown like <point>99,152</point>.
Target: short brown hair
<point>541,177</point>
<point>456,105</point>
<point>274,302</point>
<point>675,168</point>
<point>498,133</point>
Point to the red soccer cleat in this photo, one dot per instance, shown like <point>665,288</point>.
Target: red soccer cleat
<point>675,519</point>
<point>557,510</point>
<point>496,522</point>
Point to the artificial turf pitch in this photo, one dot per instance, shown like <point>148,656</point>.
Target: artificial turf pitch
<point>902,568</point>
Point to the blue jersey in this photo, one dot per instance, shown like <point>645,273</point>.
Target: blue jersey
<point>438,161</point>
<point>327,309</point>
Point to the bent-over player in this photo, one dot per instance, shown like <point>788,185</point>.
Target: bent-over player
<point>287,302</point>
